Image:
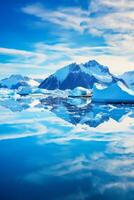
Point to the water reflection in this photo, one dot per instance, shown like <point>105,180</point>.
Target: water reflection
<point>74,110</point>
<point>66,149</point>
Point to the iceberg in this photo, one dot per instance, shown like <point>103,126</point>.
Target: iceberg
<point>115,93</point>
<point>79,91</point>
<point>24,90</point>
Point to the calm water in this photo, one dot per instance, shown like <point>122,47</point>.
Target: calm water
<point>65,149</point>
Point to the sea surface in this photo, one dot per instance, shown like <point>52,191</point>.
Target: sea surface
<point>65,149</point>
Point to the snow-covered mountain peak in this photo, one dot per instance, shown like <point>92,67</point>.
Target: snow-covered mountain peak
<point>95,67</point>
<point>75,75</point>
<point>92,63</point>
<point>128,77</point>
<point>97,70</point>
<point>16,80</point>
<point>62,73</point>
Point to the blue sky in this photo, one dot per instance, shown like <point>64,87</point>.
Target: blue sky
<point>39,37</point>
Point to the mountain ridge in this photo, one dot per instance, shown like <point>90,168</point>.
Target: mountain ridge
<point>16,80</point>
<point>79,75</point>
<point>128,77</point>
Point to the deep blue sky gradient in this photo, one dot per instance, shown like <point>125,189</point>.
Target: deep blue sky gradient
<point>23,31</point>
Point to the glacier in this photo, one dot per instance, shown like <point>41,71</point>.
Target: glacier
<point>115,93</point>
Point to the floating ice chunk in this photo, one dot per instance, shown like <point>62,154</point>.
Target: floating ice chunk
<point>117,93</point>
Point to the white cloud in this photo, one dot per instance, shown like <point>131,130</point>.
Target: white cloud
<point>117,61</point>
<point>27,56</point>
<point>15,52</point>
<point>120,4</point>
<point>21,61</point>
<point>110,19</point>
<point>69,18</point>
<point>48,58</point>
<point>114,21</point>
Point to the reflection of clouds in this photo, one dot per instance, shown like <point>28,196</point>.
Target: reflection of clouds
<point>31,122</point>
<point>101,133</point>
<point>102,155</point>
<point>122,187</point>
<point>123,146</point>
<point>100,117</point>
<point>112,161</point>
<point>95,167</point>
<point>120,166</point>
<point>117,133</point>
<point>25,131</point>
<point>6,114</point>
<point>83,166</point>
<point>78,195</point>
<point>71,167</point>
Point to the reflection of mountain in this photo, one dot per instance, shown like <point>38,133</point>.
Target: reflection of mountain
<point>72,110</point>
<point>16,105</point>
<point>82,162</point>
<point>79,111</point>
<point>11,104</point>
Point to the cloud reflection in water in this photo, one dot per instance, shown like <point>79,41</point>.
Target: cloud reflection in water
<point>87,149</point>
